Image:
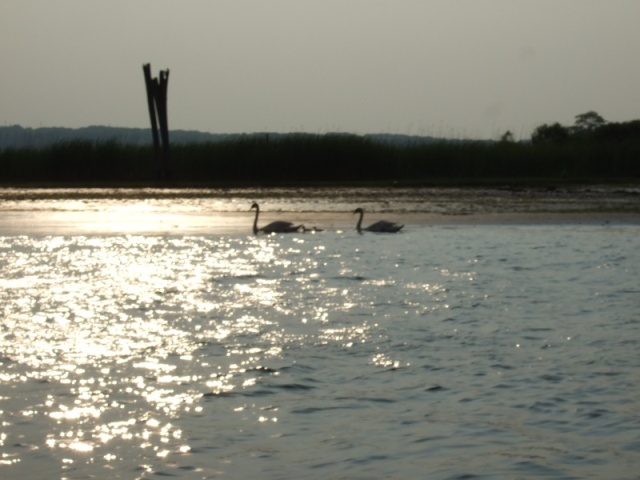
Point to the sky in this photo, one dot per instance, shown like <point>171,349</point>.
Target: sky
<point>446,68</point>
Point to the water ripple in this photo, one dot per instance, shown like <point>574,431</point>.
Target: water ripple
<point>339,354</point>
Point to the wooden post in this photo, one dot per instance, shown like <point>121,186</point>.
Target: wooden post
<point>157,101</point>
<point>161,107</point>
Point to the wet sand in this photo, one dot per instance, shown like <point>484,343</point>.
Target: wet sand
<point>215,211</point>
<point>77,223</point>
<point>504,218</point>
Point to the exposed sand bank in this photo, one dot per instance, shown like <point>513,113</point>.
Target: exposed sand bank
<point>78,223</point>
<point>226,211</point>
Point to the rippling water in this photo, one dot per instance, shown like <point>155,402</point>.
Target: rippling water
<point>441,352</point>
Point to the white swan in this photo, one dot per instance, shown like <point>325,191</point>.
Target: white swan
<point>381,226</point>
<point>279,226</point>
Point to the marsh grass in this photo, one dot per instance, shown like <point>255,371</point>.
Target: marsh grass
<point>331,158</point>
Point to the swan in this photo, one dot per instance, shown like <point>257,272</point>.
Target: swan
<point>381,226</point>
<point>279,226</point>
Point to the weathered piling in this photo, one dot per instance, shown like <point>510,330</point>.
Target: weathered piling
<point>157,102</point>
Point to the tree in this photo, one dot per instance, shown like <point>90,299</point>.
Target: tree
<point>619,132</point>
<point>555,133</point>
<point>507,137</point>
<point>588,122</point>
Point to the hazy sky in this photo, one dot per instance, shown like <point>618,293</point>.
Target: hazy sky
<point>454,68</point>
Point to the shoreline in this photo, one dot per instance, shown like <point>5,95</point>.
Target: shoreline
<point>82,211</point>
<point>347,220</point>
<point>162,224</point>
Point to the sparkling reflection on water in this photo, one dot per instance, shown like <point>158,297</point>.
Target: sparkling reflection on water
<point>325,355</point>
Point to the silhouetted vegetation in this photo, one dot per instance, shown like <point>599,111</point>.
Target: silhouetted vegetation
<point>608,151</point>
<point>555,133</point>
<point>589,127</point>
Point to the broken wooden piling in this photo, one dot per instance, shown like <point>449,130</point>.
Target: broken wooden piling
<point>157,101</point>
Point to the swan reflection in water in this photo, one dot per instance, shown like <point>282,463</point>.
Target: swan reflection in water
<point>279,226</point>
<point>381,226</point>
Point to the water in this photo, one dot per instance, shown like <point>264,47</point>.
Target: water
<point>464,351</point>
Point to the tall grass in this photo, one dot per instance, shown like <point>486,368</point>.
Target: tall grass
<point>306,158</point>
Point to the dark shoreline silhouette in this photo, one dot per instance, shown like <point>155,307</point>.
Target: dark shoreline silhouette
<point>333,159</point>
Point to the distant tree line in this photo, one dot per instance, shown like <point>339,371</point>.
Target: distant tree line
<point>591,150</point>
<point>15,136</point>
<point>589,127</point>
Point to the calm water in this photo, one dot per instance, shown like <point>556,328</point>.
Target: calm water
<point>442,352</point>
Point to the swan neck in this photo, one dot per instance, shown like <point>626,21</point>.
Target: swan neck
<point>359,225</point>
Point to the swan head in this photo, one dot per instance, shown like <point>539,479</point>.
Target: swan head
<point>254,205</point>
<point>358,210</point>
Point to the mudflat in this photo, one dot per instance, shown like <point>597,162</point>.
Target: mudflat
<point>82,211</point>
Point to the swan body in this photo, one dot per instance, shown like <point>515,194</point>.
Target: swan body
<point>279,226</point>
<point>381,226</point>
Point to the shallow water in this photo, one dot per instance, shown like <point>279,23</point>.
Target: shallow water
<point>441,352</point>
